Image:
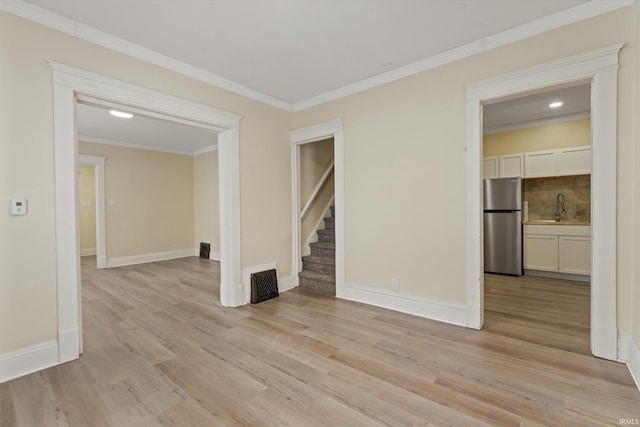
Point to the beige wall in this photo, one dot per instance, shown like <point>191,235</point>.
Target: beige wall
<point>87,194</point>
<point>206,200</point>
<point>560,135</point>
<point>405,163</point>
<point>404,166</point>
<point>315,157</point>
<point>27,283</point>
<point>152,194</point>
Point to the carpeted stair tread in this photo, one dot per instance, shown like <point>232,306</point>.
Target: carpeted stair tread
<point>319,268</point>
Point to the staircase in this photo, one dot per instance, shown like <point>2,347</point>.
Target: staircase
<point>319,268</point>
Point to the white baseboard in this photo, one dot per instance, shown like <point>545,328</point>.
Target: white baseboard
<point>443,311</point>
<point>68,345</point>
<point>144,258</point>
<point>28,360</point>
<point>88,252</point>
<point>629,353</point>
<point>287,283</point>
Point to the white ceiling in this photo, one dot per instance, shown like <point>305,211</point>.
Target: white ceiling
<point>533,110</point>
<point>294,50</point>
<point>96,124</point>
<point>297,53</point>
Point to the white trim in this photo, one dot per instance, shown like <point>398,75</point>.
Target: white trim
<point>93,85</point>
<point>246,276</point>
<point>28,360</point>
<point>537,123</point>
<point>442,311</point>
<point>208,149</point>
<point>88,252</point>
<point>229,205</point>
<point>318,132</point>
<point>145,258</point>
<point>599,67</point>
<point>629,354</point>
<point>85,32</point>
<point>137,146</point>
<point>539,26</point>
<point>98,163</point>
<point>69,82</point>
<point>287,283</point>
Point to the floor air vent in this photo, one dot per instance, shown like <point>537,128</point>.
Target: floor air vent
<point>264,286</point>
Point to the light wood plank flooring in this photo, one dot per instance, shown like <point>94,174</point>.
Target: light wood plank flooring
<point>161,351</point>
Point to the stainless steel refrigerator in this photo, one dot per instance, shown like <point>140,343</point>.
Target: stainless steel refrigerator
<point>502,226</point>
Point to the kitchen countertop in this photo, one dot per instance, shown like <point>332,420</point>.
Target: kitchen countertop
<point>552,222</point>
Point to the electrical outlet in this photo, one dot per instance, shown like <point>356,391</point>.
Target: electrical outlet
<point>395,285</point>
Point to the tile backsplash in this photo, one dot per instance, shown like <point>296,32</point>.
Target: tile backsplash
<point>541,193</point>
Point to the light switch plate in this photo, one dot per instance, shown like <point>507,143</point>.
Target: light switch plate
<point>18,206</point>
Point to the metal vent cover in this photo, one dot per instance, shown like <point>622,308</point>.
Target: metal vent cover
<point>264,286</point>
<point>205,250</point>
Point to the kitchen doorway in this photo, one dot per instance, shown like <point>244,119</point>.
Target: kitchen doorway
<point>543,143</point>
<point>597,68</point>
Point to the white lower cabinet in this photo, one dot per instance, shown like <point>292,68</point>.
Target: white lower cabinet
<point>575,255</point>
<point>558,248</point>
<point>541,252</point>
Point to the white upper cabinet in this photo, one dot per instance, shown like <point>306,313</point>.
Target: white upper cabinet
<point>512,165</point>
<point>574,161</point>
<point>491,167</point>
<point>538,164</point>
<point>541,163</point>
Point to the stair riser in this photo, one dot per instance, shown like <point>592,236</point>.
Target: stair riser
<point>326,236</point>
<point>327,253</point>
<point>318,285</point>
<point>329,225</point>
<point>316,266</point>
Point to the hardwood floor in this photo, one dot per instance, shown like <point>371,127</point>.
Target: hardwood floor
<point>161,351</point>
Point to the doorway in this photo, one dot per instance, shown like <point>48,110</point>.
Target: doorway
<point>543,141</point>
<point>299,137</point>
<point>599,69</point>
<point>70,83</point>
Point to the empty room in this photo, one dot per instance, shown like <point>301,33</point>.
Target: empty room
<point>337,249</point>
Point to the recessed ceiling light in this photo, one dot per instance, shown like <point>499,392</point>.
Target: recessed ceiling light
<point>121,114</point>
<point>555,104</point>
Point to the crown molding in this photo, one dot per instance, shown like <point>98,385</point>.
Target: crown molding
<point>537,123</point>
<point>534,28</point>
<point>77,29</point>
<point>128,144</point>
<point>58,22</point>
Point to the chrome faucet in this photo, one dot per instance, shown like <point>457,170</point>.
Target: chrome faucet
<point>560,209</point>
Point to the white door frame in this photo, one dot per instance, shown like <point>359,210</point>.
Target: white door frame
<point>70,82</point>
<point>318,132</point>
<point>600,68</point>
<point>98,163</point>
